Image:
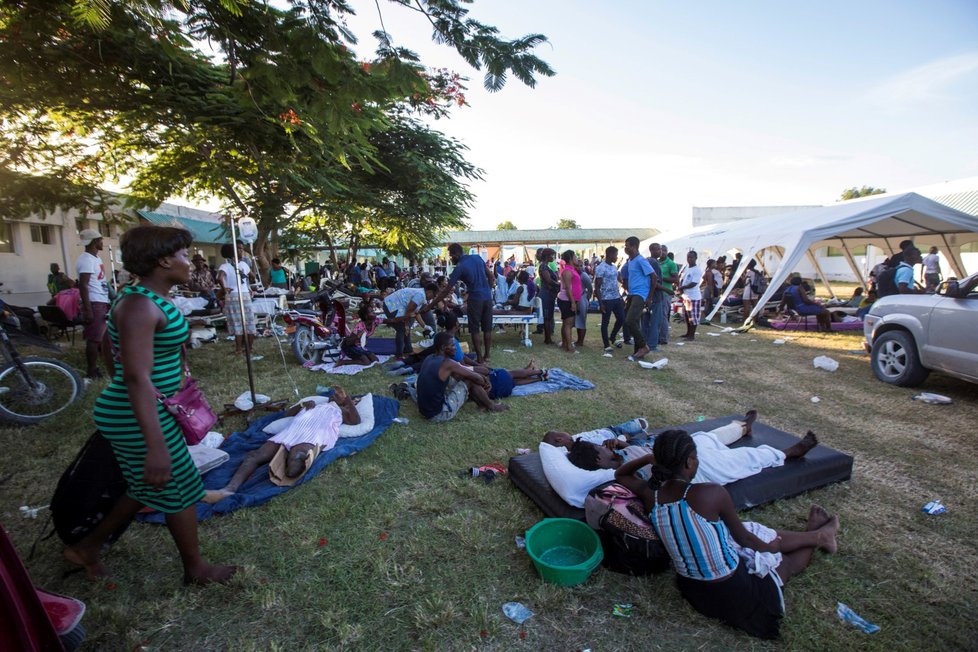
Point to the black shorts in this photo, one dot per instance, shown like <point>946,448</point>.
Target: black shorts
<point>565,309</point>
<point>480,315</point>
<point>747,602</point>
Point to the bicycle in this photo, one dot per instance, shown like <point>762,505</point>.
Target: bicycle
<point>32,388</point>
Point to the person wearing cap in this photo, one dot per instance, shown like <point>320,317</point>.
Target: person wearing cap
<point>94,291</point>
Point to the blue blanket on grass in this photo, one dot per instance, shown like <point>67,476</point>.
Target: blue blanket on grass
<point>258,488</point>
<point>559,379</point>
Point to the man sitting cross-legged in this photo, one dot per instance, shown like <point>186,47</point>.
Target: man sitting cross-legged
<point>718,463</point>
<point>315,427</point>
<point>444,385</point>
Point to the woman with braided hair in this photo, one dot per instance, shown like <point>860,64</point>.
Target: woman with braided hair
<point>726,569</point>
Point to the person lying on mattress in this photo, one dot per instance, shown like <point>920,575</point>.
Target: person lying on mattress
<point>726,569</point>
<point>314,428</point>
<point>719,464</point>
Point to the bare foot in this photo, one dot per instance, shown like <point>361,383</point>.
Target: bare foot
<point>808,442</point>
<point>817,517</point>
<point>87,559</point>
<point>749,420</point>
<point>212,496</point>
<point>209,574</point>
<point>827,533</point>
<point>532,365</point>
<point>498,407</point>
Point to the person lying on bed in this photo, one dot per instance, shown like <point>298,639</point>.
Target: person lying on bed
<point>444,385</point>
<point>718,463</point>
<point>315,427</point>
<point>726,569</point>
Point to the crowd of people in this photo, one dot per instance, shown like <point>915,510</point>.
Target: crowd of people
<point>679,477</point>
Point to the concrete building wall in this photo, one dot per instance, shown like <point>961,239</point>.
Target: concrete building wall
<point>24,270</point>
<point>37,242</point>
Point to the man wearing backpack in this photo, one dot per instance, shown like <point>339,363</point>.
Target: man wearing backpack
<point>903,275</point>
<point>886,279</point>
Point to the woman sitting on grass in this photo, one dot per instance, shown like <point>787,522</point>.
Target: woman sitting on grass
<point>353,345</point>
<point>726,569</point>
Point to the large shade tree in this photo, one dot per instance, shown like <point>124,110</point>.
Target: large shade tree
<point>268,109</point>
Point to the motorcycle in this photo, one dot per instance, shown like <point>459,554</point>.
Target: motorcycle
<point>33,389</point>
<point>314,334</point>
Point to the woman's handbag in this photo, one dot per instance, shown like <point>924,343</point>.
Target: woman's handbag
<point>190,408</point>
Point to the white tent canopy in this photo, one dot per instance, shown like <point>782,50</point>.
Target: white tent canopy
<point>881,221</point>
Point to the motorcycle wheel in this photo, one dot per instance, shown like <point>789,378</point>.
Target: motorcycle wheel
<point>302,341</point>
<point>56,386</point>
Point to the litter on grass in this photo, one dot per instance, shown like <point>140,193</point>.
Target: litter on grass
<point>520,542</point>
<point>622,610</point>
<point>658,364</point>
<point>714,334</point>
<point>508,351</point>
<point>517,612</point>
<point>816,399</point>
<point>718,381</point>
<point>933,399</point>
<point>847,615</point>
<point>778,342</point>
<point>825,362</point>
<point>607,355</point>
<point>933,508</point>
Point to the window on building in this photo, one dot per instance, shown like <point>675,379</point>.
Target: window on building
<point>41,233</point>
<point>6,238</point>
<point>104,229</point>
<point>837,251</point>
<point>79,225</point>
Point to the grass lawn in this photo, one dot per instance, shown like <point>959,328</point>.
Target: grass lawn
<point>417,557</point>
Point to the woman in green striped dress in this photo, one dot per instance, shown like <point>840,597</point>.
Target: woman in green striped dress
<point>149,334</point>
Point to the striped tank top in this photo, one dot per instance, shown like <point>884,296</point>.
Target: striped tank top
<point>700,549</point>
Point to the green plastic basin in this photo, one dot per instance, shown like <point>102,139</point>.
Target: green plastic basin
<point>564,551</point>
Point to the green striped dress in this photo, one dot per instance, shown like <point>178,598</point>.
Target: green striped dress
<point>117,422</point>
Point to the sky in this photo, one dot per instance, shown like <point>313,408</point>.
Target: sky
<point>659,106</point>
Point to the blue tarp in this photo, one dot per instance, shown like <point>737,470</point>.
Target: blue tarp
<point>558,380</point>
<point>258,488</point>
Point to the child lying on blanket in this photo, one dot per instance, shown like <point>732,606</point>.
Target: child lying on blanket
<point>354,345</point>
<point>600,449</point>
<point>314,428</point>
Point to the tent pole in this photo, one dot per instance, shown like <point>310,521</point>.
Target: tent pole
<point>818,268</point>
<point>954,257</point>
<point>852,265</point>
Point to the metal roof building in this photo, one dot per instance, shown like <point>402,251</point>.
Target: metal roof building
<point>544,237</point>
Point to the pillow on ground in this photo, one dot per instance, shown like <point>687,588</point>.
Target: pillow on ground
<point>365,408</point>
<point>570,482</point>
<point>277,426</point>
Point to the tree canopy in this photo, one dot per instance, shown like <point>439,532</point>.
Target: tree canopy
<point>567,223</point>
<point>865,191</point>
<point>268,109</point>
<point>506,225</point>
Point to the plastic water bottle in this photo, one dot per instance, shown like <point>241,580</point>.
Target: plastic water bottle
<point>848,615</point>
<point>528,343</point>
<point>517,612</point>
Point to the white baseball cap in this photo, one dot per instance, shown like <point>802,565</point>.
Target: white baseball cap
<point>86,236</point>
